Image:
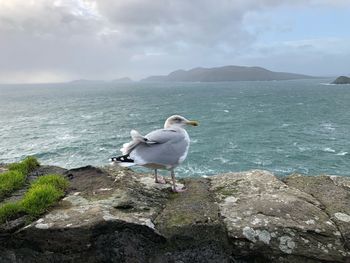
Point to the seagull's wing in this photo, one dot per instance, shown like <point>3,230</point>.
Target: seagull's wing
<point>162,136</point>
<point>157,136</point>
<point>164,147</point>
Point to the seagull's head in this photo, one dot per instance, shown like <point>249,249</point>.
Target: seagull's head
<point>179,121</point>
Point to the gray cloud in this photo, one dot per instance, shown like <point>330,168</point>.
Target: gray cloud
<point>47,40</point>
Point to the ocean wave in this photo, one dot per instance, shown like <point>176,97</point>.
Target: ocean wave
<point>88,117</point>
<point>282,170</point>
<point>328,126</point>
<point>65,137</point>
<point>221,159</point>
<point>262,162</point>
<point>284,125</point>
<point>194,170</point>
<point>303,148</point>
<point>328,149</point>
<point>290,170</point>
<point>342,153</point>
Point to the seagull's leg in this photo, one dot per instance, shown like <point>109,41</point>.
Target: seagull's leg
<point>159,180</point>
<point>176,190</point>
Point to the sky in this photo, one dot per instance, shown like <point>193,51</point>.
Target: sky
<point>62,40</point>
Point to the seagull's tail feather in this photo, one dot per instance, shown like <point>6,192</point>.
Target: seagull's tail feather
<point>137,138</point>
<point>124,160</point>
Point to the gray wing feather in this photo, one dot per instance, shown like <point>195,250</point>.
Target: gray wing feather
<point>162,147</point>
<point>163,136</point>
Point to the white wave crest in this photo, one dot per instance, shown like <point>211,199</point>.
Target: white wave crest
<point>329,150</point>
<point>342,153</point>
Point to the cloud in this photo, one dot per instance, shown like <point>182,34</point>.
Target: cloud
<point>63,39</point>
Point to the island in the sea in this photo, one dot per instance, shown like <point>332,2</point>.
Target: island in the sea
<point>341,80</point>
<point>226,73</point>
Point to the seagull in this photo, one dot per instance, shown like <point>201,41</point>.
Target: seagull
<point>160,149</point>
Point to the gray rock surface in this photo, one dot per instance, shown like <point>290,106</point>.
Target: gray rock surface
<point>280,221</point>
<point>334,196</point>
<point>116,215</point>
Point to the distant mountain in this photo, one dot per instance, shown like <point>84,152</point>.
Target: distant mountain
<point>125,79</point>
<point>226,73</point>
<point>341,80</point>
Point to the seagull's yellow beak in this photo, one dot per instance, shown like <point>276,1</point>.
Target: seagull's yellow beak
<point>193,123</point>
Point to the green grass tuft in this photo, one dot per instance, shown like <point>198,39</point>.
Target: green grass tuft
<point>40,197</point>
<point>16,176</point>
<point>55,180</point>
<point>43,193</point>
<point>26,166</point>
<point>10,181</point>
<point>10,210</point>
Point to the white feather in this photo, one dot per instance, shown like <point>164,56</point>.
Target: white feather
<point>136,139</point>
<point>126,164</point>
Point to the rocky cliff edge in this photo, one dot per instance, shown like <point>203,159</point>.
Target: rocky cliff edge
<point>116,215</point>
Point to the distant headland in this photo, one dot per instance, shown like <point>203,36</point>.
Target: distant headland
<point>226,73</point>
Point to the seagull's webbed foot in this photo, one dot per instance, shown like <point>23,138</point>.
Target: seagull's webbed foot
<point>160,180</point>
<point>174,188</point>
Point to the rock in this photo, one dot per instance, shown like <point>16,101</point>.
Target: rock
<point>94,225</point>
<point>116,215</point>
<point>267,217</point>
<point>47,169</point>
<point>334,195</point>
<point>192,225</point>
<point>341,80</point>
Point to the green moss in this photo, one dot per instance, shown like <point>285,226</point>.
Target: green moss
<point>178,219</point>
<point>9,210</point>
<point>39,198</point>
<point>26,166</point>
<point>10,181</point>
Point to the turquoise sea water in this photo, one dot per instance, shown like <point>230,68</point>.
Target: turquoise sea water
<point>282,126</point>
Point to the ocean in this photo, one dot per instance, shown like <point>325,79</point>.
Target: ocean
<point>299,126</point>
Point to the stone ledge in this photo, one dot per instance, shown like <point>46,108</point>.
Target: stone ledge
<point>117,215</point>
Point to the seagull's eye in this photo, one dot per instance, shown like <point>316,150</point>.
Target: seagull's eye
<point>177,119</point>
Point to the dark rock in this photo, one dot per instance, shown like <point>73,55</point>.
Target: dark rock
<point>47,169</point>
<point>341,80</point>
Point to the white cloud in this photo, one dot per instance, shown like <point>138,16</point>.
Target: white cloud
<point>62,39</point>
